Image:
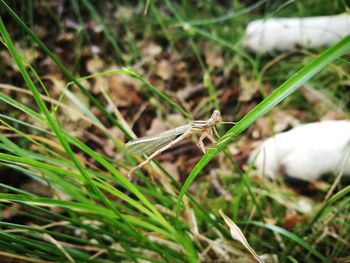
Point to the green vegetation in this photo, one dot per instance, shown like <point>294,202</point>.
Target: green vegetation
<point>78,75</point>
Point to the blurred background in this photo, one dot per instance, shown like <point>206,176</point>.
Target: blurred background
<point>107,71</point>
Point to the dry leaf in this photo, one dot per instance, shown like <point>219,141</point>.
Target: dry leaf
<point>213,57</point>
<point>172,169</point>
<point>175,120</point>
<point>237,234</point>
<point>55,86</point>
<point>248,89</point>
<point>11,211</point>
<point>280,121</point>
<point>291,221</point>
<point>150,49</point>
<point>157,126</point>
<point>29,54</point>
<point>94,26</point>
<point>334,115</point>
<point>270,221</point>
<point>99,84</point>
<point>124,11</point>
<point>94,65</point>
<point>165,70</point>
<point>122,90</point>
<point>40,31</point>
<point>65,37</point>
<point>74,112</point>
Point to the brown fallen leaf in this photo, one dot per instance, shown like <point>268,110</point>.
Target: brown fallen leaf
<point>270,221</point>
<point>290,222</point>
<point>94,26</point>
<point>74,112</point>
<point>280,121</point>
<point>249,89</point>
<point>172,170</point>
<point>123,90</point>
<point>10,212</point>
<point>237,234</point>
<point>334,115</point>
<point>40,31</point>
<point>150,49</point>
<point>165,69</point>
<point>124,12</point>
<point>94,65</point>
<point>157,126</point>
<point>213,57</point>
<point>65,37</point>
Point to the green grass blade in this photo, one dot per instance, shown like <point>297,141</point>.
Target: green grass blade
<point>54,125</point>
<point>289,86</point>
<point>110,37</point>
<point>66,72</point>
<point>292,237</point>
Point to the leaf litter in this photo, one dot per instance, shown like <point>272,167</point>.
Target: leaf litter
<point>177,75</point>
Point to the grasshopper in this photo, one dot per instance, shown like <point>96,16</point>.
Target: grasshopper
<point>156,144</point>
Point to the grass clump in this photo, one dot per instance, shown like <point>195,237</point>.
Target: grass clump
<point>105,69</point>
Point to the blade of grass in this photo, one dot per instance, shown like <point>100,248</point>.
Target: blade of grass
<point>92,231</point>
<point>45,247</point>
<point>100,21</point>
<point>66,72</point>
<point>289,86</point>
<point>225,17</point>
<point>335,198</point>
<point>56,127</point>
<point>157,92</point>
<point>289,235</point>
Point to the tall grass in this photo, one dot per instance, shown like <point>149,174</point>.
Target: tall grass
<point>93,211</point>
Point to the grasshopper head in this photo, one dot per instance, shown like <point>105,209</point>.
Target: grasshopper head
<point>215,118</point>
